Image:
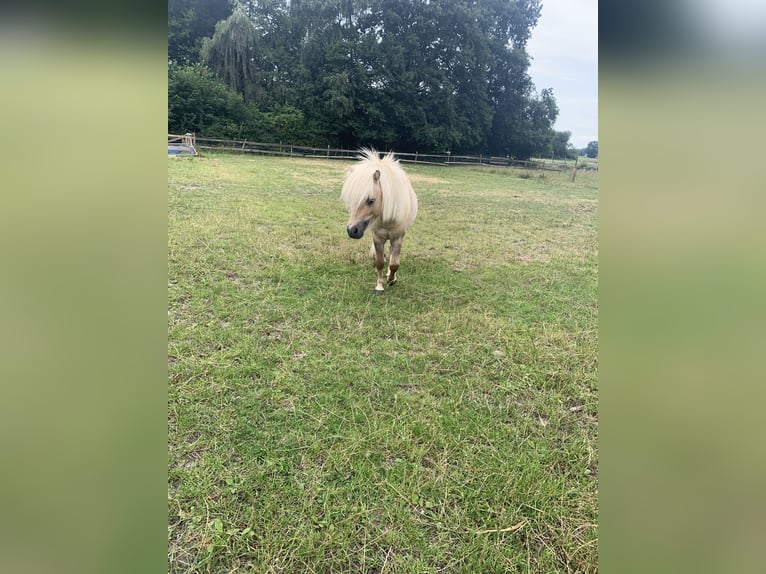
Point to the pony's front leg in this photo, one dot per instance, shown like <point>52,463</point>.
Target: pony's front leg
<point>379,263</point>
<point>393,265</point>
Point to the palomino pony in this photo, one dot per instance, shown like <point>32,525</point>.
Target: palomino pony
<point>379,197</point>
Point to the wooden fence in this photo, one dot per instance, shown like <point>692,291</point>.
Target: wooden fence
<point>278,149</point>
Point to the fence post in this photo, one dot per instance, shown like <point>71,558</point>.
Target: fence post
<point>574,171</point>
<point>328,150</point>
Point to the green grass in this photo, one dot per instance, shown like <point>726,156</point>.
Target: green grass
<point>314,427</point>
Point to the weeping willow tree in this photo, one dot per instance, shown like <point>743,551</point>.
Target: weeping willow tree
<point>231,52</point>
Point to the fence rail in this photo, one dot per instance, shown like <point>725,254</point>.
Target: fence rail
<point>278,149</point>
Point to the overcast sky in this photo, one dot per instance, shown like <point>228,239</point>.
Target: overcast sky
<point>564,50</point>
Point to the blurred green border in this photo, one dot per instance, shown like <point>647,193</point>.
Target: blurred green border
<point>83,299</point>
<point>682,275</point>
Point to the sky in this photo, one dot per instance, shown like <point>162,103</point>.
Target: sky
<point>564,50</point>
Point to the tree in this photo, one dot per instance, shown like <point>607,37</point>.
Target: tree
<point>396,74</point>
<point>562,149</point>
<point>189,21</point>
<point>591,150</point>
<point>522,121</point>
<point>230,53</point>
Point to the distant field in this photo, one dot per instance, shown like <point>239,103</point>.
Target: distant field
<point>449,425</point>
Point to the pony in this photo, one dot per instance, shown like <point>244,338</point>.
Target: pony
<point>379,198</point>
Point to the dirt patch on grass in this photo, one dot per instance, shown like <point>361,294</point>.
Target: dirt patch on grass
<point>234,277</point>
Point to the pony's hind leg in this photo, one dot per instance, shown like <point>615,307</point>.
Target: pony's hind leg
<point>393,265</point>
<point>379,263</point>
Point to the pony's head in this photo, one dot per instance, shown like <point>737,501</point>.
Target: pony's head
<point>369,206</point>
<point>377,189</point>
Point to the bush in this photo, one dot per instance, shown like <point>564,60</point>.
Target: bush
<point>198,102</point>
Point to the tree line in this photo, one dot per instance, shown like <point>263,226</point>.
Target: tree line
<point>409,75</point>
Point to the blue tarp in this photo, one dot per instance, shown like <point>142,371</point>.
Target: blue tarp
<point>181,149</point>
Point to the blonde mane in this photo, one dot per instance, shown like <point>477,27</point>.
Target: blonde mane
<point>398,196</point>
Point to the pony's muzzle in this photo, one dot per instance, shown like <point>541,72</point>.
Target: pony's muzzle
<point>357,230</point>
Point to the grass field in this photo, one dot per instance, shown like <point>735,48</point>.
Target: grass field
<point>447,426</point>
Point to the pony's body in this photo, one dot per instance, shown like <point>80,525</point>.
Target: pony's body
<point>379,197</point>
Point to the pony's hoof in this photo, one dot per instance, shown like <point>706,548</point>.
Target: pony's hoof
<point>378,291</point>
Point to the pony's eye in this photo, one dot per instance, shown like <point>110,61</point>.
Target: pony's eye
<point>371,201</point>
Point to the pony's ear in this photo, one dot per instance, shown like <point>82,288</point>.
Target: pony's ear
<point>376,175</point>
